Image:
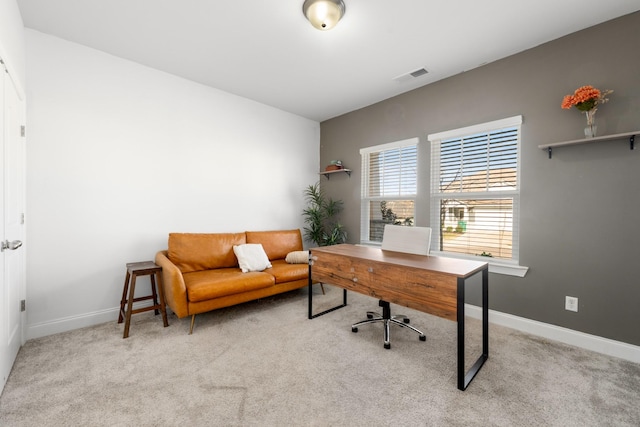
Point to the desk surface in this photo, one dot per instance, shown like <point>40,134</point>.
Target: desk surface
<point>449,266</point>
<point>421,282</point>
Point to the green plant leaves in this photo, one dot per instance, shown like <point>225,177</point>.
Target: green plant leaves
<point>322,227</point>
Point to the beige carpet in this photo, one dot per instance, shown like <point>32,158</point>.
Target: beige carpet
<point>265,364</point>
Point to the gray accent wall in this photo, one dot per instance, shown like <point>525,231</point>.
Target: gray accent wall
<point>579,230</point>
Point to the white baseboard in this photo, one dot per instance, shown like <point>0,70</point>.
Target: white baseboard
<point>64,324</point>
<point>567,336</point>
<point>70,323</point>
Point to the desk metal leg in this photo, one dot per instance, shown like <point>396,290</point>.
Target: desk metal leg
<point>313,316</point>
<point>465,379</point>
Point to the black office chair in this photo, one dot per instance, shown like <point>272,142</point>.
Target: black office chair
<point>397,238</point>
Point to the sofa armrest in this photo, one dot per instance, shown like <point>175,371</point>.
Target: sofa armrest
<point>175,291</point>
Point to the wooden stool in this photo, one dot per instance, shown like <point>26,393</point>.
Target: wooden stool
<point>135,269</point>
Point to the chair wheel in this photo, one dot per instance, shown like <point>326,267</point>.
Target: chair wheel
<point>387,346</point>
<point>369,316</point>
<point>354,329</point>
<point>423,338</point>
<point>406,320</point>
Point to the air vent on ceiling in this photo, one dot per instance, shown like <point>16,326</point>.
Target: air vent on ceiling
<point>411,75</point>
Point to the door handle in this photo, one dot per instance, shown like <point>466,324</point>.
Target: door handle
<point>11,245</point>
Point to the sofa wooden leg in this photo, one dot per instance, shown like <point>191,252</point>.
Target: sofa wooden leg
<point>322,287</point>
<point>193,320</point>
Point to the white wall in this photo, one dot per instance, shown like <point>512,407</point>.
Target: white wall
<point>119,155</point>
<point>12,49</point>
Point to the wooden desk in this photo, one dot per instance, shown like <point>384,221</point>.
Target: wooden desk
<point>431,284</point>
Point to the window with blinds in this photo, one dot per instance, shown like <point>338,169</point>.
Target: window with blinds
<point>475,189</point>
<point>389,187</point>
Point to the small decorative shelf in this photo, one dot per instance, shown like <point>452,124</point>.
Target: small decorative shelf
<point>631,136</point>
<point>329,173</point>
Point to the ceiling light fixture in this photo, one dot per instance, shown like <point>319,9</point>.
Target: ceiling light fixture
<point>323,14</point>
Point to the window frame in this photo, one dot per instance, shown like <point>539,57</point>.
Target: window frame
<point>366,198</point>
<point>501,266</point>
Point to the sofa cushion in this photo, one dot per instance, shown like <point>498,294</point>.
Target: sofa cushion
<point>277,244</point>
<point>297,257</point>
<point>209,284</point>
<point>251,257</point>
<point>285,272</point>
<point>202,251</point>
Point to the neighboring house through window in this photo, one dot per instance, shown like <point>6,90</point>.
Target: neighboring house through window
<point>475,190</point>
<point>389,187</point>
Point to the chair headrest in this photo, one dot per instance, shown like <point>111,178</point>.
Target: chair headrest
<point>412,240</point>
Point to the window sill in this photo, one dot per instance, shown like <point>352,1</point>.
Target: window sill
<point>370,243</point>
<point>506,268</point>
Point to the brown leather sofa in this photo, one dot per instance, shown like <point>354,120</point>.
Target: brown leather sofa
<point>201,273</point>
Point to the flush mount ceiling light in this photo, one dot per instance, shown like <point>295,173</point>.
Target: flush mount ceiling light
<point>323,14</point>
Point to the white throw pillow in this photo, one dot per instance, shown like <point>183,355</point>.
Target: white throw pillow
<point>251,257</point>
<point>297,257</point>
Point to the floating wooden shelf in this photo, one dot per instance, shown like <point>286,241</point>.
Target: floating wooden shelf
<point>328,173</point>
<point>631,136</point>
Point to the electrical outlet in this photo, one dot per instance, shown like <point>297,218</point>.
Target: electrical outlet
<point>571,303</point>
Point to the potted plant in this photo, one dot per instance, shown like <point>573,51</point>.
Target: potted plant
<point>321,224</point>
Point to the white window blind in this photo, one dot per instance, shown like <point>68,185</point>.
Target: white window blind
<point>475,189</point>
<point>389,187</point>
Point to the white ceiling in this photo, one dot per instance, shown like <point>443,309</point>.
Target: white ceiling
<point>267,51</point>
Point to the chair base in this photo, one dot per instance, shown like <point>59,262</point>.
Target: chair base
<point>387,319</point>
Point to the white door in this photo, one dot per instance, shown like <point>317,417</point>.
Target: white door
<point>12,256</point>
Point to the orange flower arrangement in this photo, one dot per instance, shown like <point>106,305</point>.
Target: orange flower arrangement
<point>585,98</point>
